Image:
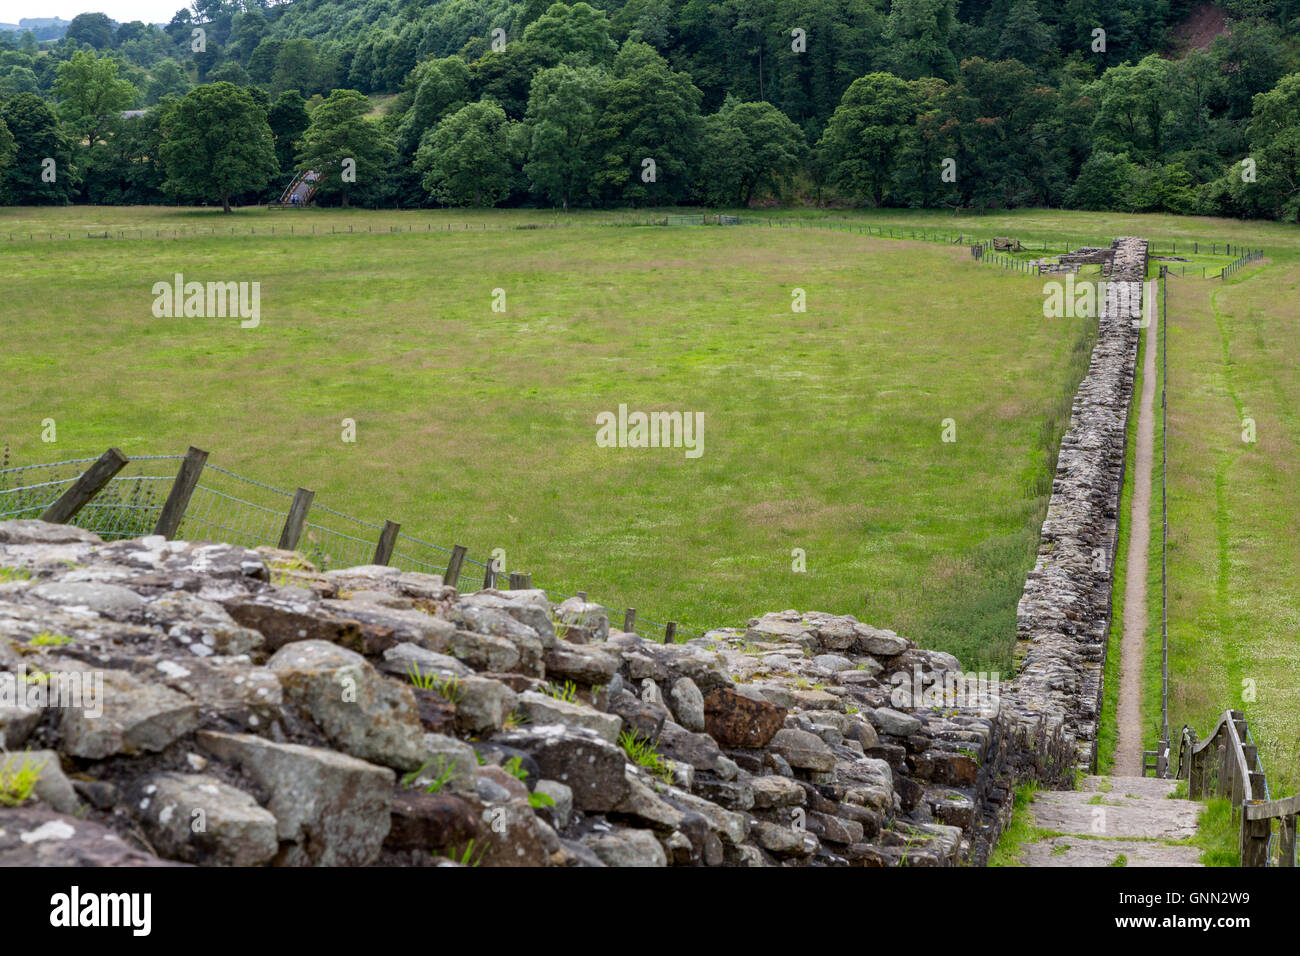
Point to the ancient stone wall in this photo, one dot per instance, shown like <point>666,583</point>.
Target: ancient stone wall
<point>367,715</point>
<point>1064,614</point>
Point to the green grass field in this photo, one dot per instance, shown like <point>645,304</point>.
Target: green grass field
<point>1234,510</point>
<point>822,429</point>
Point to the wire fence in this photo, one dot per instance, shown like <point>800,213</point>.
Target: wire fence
<point>319,229</point>
<point>1164,520</point>
<point>1245,257</point>
<point>1240,263</point>
<point>235,509</point>
<point>976,236</point>
<point>1274,845</point>
<point>127,508</point>
<point>812,223</point>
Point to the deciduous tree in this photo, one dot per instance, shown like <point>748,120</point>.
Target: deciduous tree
<point>217,144</point>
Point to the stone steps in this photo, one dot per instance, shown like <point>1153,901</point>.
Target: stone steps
<point>1113,821</point>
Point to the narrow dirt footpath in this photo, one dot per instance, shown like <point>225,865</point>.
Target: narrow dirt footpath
<point>1128,745</point>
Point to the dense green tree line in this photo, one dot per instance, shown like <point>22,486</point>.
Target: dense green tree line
<point>961,103</point>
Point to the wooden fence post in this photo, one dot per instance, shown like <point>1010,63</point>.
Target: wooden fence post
<point>297,517</point>
<point>1286,826</point>
<point>629,620</point>
<point>91,482</point>
<point>1223,782</point>
<point>178,499</point>
<point>490,575</point>
<point>387,541</point>
<point>453,565</point>
<point>1254,840</point>
<point>670,632</point>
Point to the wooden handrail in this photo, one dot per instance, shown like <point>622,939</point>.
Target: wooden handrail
<point>1271,809</point>
<point>1226,765</point>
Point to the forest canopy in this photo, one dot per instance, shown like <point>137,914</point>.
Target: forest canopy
<point>935,103</point>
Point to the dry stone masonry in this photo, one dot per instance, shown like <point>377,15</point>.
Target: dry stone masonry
<point>1064,614</point>
<point>182,703</point>
<point>255,711</point>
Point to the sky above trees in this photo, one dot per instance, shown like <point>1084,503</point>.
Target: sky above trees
<point>123,11</point>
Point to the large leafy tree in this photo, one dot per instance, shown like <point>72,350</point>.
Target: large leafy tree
<point>92,29</point>
<point>748,147</point>
<point>288,119</point>
<point>166,79</point>
<point>7,149</point>
<point>1275,147</point>
<point>217,144</point>
<point>18,79</point>
<point>36,137</point>
<point>651,113</point>
<point>917,35</point>
<point>1103,183</point>
<point>926,144</point>
<point>1136,105</point>
<point>441,88</point>
<point>564,109</point>
<point>126,171</point>
<point>467,158</point>
<point>297,67</point>
<point>863,144</point>
<point>90,91</point>
<point>344,148</point>
<point>578,34</point>
<point>507,76</point>
<point>1000,121</point>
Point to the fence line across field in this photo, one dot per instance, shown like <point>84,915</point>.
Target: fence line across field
<point>827,223</point>
<point>1227,763</point>
<point>317,229</point>
<point>186,497</point>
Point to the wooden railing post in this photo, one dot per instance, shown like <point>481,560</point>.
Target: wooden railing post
<point>1254,840</point>
<point>1195,776</point>
<point>387,541</point>
<point>1286,826</point>
<point>1257,786</point>
<point>670,632</point>
<point>453,565</point>
<point>292,531</point>
<point>90,483</point>
<point>1224,782</point>
<point>178,499</point>
<point>490,574</point>
<point>629,620</point>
